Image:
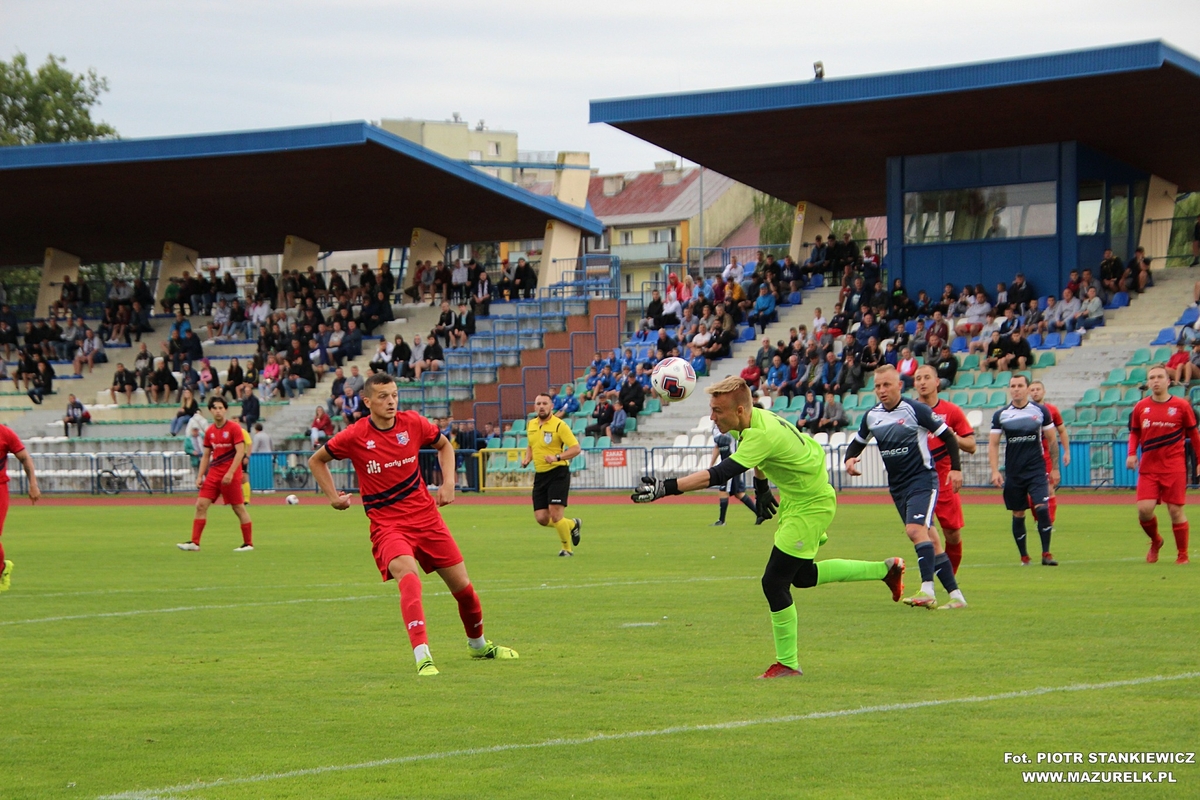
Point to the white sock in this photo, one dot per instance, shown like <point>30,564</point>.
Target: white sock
<point>958,595</point>
<point>477,643</point>
<point>421,652</point>
<point>927,588</point>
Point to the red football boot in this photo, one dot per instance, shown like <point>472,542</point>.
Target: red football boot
<point>778,670</point>
<point>895,578</point>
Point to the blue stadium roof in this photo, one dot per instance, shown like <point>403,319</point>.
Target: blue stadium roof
<point>810,140</point>
<point>344,186</point>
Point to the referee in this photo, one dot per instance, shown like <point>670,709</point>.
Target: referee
<point>551,447</point>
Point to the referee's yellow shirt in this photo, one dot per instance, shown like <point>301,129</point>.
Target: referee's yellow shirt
<point>549,439</point>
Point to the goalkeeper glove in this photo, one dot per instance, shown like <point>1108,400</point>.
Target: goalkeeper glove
<point>765,503</point>
<point>653,489</point>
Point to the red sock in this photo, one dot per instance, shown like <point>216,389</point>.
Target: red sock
<point>1150,526</point>
<point>470,612</point>
<point>1181,536</point>
<point>411,609</point>
<point>954,553</point>
<point>197,529</point>
<point>246,537</point>
<point>1053,507</point>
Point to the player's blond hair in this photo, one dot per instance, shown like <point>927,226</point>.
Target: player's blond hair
<point>929,367</point>
<point>734,385</point>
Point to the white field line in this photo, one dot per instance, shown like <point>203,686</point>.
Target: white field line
<point>638,624</point>
<point>295,601</point>
<point>166,792</point>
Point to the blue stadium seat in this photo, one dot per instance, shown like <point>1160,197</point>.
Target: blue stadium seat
<point>1189,316</point>
<point>1072,339</point>
<point>817,281</point>
<point>1050,342</point>
<point>959,345</point>
<point>1035,340</point>
<point>911,326</point>
<point>1165,336</point>
<point>1118,300</point>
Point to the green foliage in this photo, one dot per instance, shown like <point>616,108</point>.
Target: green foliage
<point>1187,206</point>
<point>857,228</point>
<point>775,219</point>
<point>50,105</point>
<point>128,665</point>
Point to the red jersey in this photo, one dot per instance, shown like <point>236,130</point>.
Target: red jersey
<point>956,421</point>
<point>1160,429</point>
<point>223,441</point>
<point>9,443</point>
<point>1057,421</point>
<point>393,491</point>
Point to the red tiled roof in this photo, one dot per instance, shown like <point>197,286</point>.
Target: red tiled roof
<point>643,193</point>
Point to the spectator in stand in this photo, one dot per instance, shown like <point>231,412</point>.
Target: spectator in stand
<point>300,376</point>
<point>260,442</point>
<point>234,377</point>
<point>1065,312</point>
<point>867,330</point>
<point>776,376</point>
<point>994,353</point>
<point>382,356</point>
<point>464,325</point>
<point>764,309</point>
<point>751,373</point>
<point>524,280</point>
<point>907,367</point>
<point>824,375</point>
<point>566,403</point>
<point>320,429</point>
<point>833,415</point>
<point>270,379</point>
<point>811,412</point>
<point>1001,298</point>
<point>632,397</point>
<point>984,340</point>
<point>672,310</point>
<point>125,381</point>
<point>603,414</point>
<point>481,299</point>
<point>397,366</point>
<point>143,365</point>
<point>91,352</point>
<point>853,376</point>
<point>1091,314</point>
<point>1137,273</point>
<point>946,365</point>
<point>43,381</point>
<point>76,415</point>
<point>189,379</point>
<point>162,383</point>
<point>460,276</point>
<point>1009,322</point>
<point>188,408</point>
<point>417,357</point>
<point>975,318</point>
<point>433,358</point>
<point>871,357</point>
<point>733,272</point>
<point>266,288</point>
<point>1111,272</point>
<point>210,378</point>
<point>794,379</point>
<point>1180,368</point>
<point>1017,352</point>
<point>352,406</point>
<point>919,339</point>
<point>1086,281</point>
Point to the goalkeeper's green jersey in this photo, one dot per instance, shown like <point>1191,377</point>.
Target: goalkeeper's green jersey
<point>795,463</point>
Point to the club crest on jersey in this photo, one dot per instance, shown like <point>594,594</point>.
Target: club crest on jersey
<point>1171,411</point>
<point>370,444</point>
<point>402,437</point>
<point>547,437</point>
<point>225,435</point>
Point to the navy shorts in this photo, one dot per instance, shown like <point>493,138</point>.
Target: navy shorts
<point>916,505</point>
<point>1019,495</point>
<point>737,485</point>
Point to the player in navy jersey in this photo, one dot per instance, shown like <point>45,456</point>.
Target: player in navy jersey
<point>407,530</point>
<point>723,448</point>
<point>902,428</point>
<point>1024,424</point>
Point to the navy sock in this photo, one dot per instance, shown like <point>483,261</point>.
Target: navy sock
<point>925,560</point>
<point>724,507</point>
<point>746,501</point>
<point>945,572</point>
<point>1045,526</point>
<point>1019,535</point>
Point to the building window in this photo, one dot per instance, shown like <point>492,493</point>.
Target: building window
<point>626,237</point>
<point>988,212</point>
<point>493,149</point>
<point>475,155</point>
<point>662,235</point>
<point>1090,211</point>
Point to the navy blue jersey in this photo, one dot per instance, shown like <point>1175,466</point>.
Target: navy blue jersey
<point>724,443</point>
<point>903,437</point>
<point>1023,429</point>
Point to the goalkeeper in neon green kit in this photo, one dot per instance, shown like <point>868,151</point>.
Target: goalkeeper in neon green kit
<point>778,452</point>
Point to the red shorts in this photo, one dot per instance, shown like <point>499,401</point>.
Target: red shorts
<point>231,492</point>
<point>433,547</point>
<point>949,509</point>
<point>1170,489</point>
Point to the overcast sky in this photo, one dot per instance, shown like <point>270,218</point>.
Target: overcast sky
<point>191,66</point>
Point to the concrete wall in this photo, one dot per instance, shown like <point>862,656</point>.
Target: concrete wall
<point>723,216</point>
<point>457,140</point>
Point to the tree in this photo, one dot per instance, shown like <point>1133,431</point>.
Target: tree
<point>775,219</point>
<point>51,105</point>
<point>856,227</point>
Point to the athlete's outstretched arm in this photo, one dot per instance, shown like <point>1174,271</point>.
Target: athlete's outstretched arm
<point>446,460</point>
<point>656,488</point>
<point>318,464</point>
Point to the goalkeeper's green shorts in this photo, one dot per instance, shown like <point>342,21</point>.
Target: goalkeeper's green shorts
<point>803,525</point>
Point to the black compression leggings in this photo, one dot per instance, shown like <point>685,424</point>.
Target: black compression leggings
<point>782,573</point>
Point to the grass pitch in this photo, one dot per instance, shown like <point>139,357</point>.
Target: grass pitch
<point>131,668</point>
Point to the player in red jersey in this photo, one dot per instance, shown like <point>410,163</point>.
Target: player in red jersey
<point>11,443</point>
<point>407,530</point>
<point>1158,425</point>
<point>220,475</point>
<point>1037,393</point>
<point>949,506</point>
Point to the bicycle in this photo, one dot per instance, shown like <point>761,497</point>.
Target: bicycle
<point>114,479</point>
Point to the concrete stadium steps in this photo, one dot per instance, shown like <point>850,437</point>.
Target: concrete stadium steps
<point>138,413</point>
<point>660,430</point>
<point>1125,330</point>
<point>88,444</point>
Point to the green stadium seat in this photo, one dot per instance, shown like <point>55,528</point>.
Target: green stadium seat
<point>964,380</point>
<point>870,384</point>
<point>1115,377</point>
<point>1090,398</point>
<point>653,406</point>
<point>587,442</point>
<point>1068,415</point>
<point>509,442</point>
<point>578,425</point>
<point>985,380</point>
<point>960,398</point>
<point>970,362</point>
<point>1131,396</point>
<point>1002,379</point>
<point>998,398</point>
<point>1161,356</point>
<point>1086,416</point>
<point>867,401</point>
<point>1111,398</point>
<point>1107,416</point>
<point>1177,391</point>
<point>1124,415</point>
<point>1046,359</point>
<point>1136,376</point>
<point>1140,358</point>
<point>603,442</point>
<point>978,400</point>
<point>587,408</point>
<point>630,424</point>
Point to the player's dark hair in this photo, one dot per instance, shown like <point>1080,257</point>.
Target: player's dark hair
<point>213,401</point>
<point>1022,377</point>
<point>543,394</point>
<point>378,379</point>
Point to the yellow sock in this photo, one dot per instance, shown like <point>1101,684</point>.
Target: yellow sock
<point>564,527</point>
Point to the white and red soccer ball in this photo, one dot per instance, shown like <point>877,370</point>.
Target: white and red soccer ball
<point>673,379</point>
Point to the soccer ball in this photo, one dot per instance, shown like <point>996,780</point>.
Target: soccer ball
<point>292,500</point>
<point>673,379</point>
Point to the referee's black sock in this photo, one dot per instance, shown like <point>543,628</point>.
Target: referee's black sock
<point>748,503</point>
<point>724,507</point>
<point>945,572</point>
<point>1045,526</point>
<point>925,561</point>
<point>1019,535</point>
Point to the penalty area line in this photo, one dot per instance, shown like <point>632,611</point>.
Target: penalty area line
<point>168,791</point>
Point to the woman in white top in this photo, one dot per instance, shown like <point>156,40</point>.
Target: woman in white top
<point>672,310</point>
<point>819,322</point>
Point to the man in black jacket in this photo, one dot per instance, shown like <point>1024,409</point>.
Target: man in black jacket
<point>464,325</point>
<point>603,416</point>
<point>632,396</point>
<point>125,380</point>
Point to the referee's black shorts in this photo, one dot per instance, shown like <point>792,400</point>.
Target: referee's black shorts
<point>551,488</point>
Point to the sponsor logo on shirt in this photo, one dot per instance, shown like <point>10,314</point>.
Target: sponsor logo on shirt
<point>1018,439</point>
<point>370,444</point>
<point>373,467</point>
<point>899,451</point>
